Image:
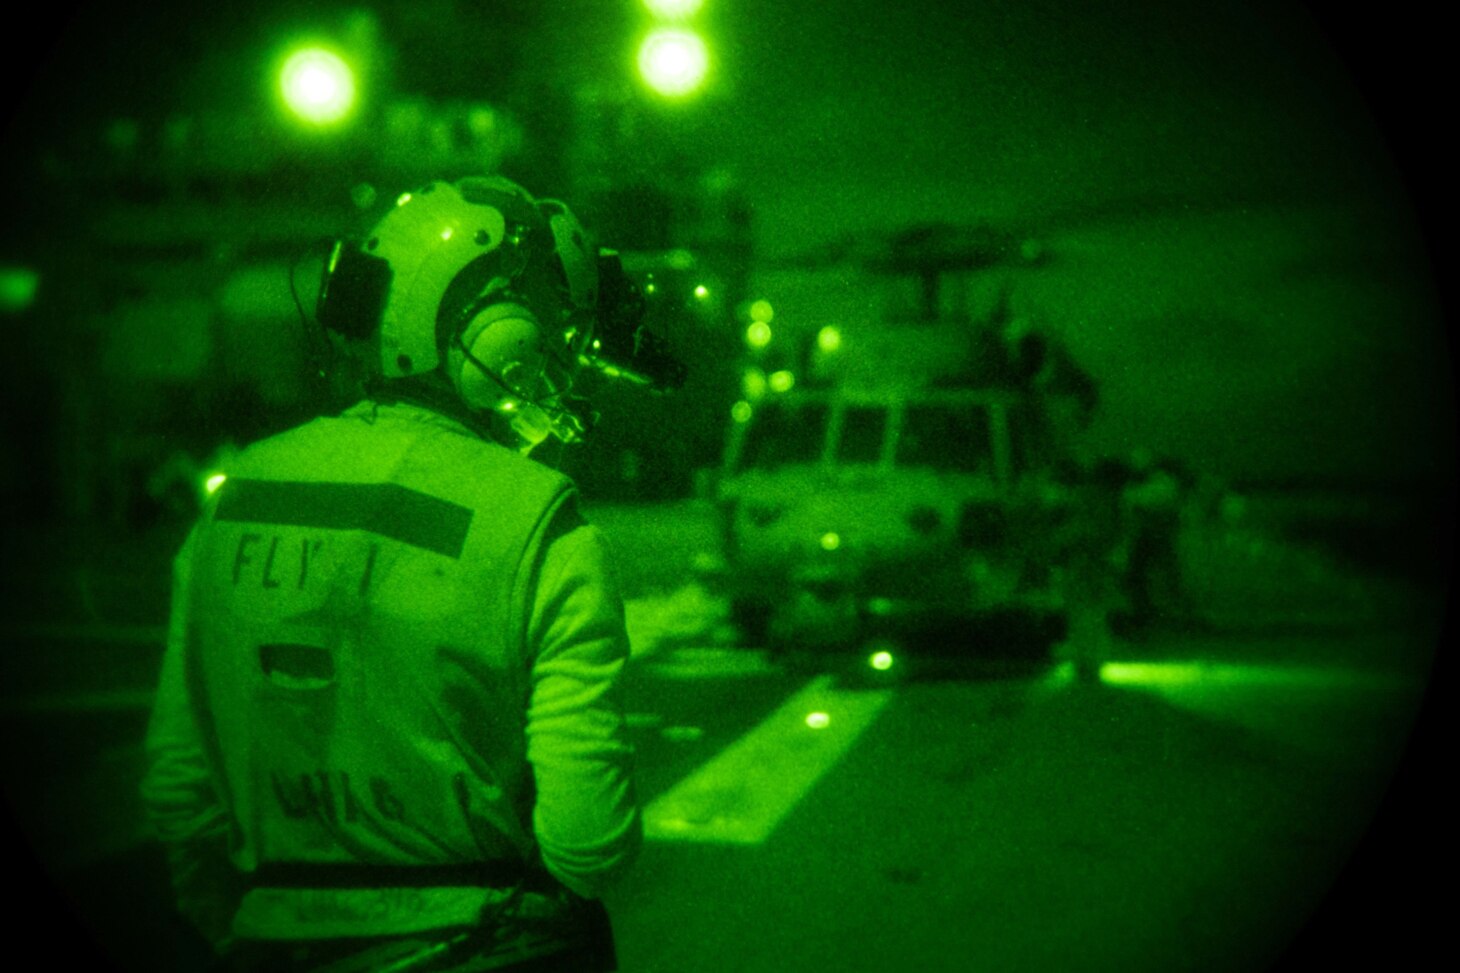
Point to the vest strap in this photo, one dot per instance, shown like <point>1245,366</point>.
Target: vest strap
<point>309,875</point>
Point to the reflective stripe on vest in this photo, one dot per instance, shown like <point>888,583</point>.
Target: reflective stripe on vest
<point>387,509</point>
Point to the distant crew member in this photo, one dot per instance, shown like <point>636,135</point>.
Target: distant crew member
<point>1153,500</point>
<point>1091,562</point>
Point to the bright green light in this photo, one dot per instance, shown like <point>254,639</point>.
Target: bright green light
<point>830,541</point>
<point>740,411</point>
<point>1204,676</point>
<point>674,9</point>
<point>762,311</point>
<point>317,85</point>
<point>754,383</point>
<point>701,291</point>
<point>829,338</point>
<point>817,721</point>
<point>212,483</point>
<point>758,335</point>
<point>881,661</point>
<point>673,61</point>
<point>1151,674</point>
<point>782,381</point>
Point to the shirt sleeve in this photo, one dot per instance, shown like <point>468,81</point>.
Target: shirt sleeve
<point>586,816</point>
<point>179,800</point>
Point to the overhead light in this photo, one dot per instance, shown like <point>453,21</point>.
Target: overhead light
<point>674,61</point>
<point>317,86</point>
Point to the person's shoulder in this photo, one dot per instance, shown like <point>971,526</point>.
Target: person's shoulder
<point>299,438</point>
<point>497,468</point>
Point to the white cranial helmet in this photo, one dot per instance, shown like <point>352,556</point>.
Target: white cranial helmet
<point>477,283</point>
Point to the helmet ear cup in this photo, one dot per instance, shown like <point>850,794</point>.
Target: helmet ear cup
<point>503,357</point>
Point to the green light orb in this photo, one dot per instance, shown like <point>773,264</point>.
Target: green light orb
<point>881,661</point>
<point>18,286</point>
<point>782,381</point>
<point>758,335</point>
<point>673,61</point>
<point>212,483</point>
<point>818,720</point>
<point>317,85</point>
<point>829,338</point>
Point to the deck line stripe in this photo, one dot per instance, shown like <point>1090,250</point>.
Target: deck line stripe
<point>743,793</point>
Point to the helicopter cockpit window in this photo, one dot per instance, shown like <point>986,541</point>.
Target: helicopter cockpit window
<point>956,438</point>
<point>785,434</point>
<point>861,437</point>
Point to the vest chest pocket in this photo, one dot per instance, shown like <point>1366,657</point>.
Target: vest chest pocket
<point>291,665</point>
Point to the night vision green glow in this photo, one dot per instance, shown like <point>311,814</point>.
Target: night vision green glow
<point>782,381</point>
<point>701,291</point>
<point>1151,674</point>
<point>212,483</point>
<point>881,661</point>
<point>762,311</point>
<point>18,286</point>
<point>740,411</point>
<point>758,335</point>
<point>1202,676</point>
<point>673,61</point>
<point>674,9</point>
<point>880,606</point>
<point>318,86</point>
<point>829,338</point>
<point>831,540</point>
<point>817,720</point>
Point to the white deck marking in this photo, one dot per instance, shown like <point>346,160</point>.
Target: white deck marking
<point>741,795</point>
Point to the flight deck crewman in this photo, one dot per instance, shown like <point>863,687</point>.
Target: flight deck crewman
<point>389,731</point>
